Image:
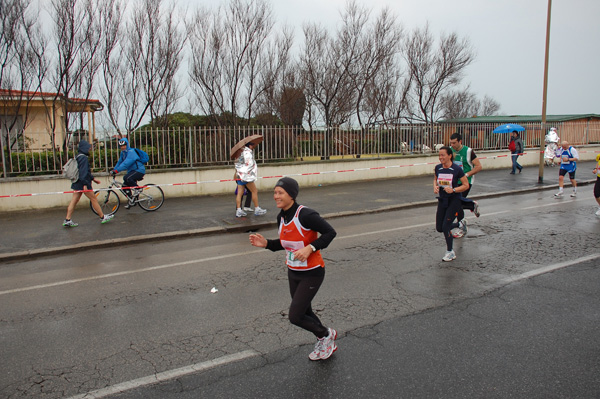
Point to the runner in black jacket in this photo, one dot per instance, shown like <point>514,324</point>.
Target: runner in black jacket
<point>299,229</point>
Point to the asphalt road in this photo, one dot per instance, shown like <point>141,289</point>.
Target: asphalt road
<point>485,325</point>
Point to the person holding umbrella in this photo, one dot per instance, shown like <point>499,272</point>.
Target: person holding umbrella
<point>247,172</point>
<point>516,148</point>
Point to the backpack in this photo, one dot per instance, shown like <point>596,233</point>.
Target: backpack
<point>512,146</point>
<point>142,155</point>
<point>71,169</point>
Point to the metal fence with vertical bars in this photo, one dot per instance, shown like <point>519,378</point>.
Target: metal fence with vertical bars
<point>206,146</point>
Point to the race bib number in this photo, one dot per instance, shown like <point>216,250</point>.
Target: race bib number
<point>565,159</point>
<point>291,247</point>
<point>445,180</point>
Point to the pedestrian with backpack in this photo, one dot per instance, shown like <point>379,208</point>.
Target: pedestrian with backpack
<point>81,179</point>
<point>132,160</point>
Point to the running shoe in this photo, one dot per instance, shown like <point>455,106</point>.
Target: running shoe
<point>329,345</point>
<point>450,256</point>
<point>476,209</point>
<point>558,194</point>
<point>457,232</point>
<point>70,223</point>
<point>248,209</point>
<point>106,218</point>
<point>239,213</point>
<point>259,211</point>
<point>463,226</point>
<point>574,194</point>
<point>598,212</point>
<point>315,354</point>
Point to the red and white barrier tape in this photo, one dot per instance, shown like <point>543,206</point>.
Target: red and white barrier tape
<point>265,177</point>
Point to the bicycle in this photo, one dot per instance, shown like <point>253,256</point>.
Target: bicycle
<point>149,197</point>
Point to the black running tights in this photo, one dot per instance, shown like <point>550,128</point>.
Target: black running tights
<point>303,288</point>
<point>448,209</point>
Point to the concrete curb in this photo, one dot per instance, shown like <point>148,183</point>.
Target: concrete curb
<point>246,227</point>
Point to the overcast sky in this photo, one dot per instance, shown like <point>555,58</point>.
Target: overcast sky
<point>509,38</point>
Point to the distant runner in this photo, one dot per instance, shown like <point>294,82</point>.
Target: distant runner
<point>465,158</point>
<point>446,184</point>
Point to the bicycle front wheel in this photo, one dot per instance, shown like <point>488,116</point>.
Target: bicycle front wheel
<point>108,200</point>
<point>151,198</point>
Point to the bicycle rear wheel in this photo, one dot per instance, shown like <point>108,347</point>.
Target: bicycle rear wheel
<point>151,198</point>
<point>108,200</point>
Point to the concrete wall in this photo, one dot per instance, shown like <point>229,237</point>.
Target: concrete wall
<point>47,190</point>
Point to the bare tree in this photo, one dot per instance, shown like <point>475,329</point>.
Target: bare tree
<point>386,98</point>
<point>465,104</point>
<point>23,66</point>
<point>227,56</point>
<point>79,30</point>
<point>378,44</point>
<point>112,65</point>
<point>152,50</point>
<point>434,70</point>
<point>266,78</point>
<point>325,63</point>
<point>459,104</point>
<point>290,101</point>
<point>489,106</point>
<point>162,66</point>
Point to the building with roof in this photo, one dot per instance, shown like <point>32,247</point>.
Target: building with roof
<point>37,119</point>
<point>578,129</point>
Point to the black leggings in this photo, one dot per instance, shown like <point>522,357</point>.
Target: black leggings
<point>131,180</point>
<point>467,203</point>
<point>597,188</point>
<point>303,288</point>
<point>448,209</point>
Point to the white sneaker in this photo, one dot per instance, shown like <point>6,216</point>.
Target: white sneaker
<point>558,194</point>
<point>258,211</point>
<point>574,194</point>
<point>476,209</point>
<point>70,223</point>
<point>248,209</point>
<point>315,354</point>
<point>329,345</point>
<point>239,213</point>
<point>450,256</point>
<point>106,218</point>
<point>598,212</point>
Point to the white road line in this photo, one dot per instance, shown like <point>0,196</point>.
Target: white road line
<point>551,268</point>
<point>166,375</point>
<point>198,367</point>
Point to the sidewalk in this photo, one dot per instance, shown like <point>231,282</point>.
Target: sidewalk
<point>33,233</point>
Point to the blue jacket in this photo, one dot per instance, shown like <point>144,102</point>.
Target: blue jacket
<point>85,174</point>
<point>129,160</point>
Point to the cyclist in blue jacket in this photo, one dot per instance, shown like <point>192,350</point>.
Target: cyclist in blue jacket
<point>129,161</point>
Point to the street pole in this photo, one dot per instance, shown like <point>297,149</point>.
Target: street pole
<point>543,128</point>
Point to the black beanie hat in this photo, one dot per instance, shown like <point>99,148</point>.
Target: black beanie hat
<point>289,185</point>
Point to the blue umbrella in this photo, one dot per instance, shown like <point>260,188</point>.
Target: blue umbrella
<point>508,128</point>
